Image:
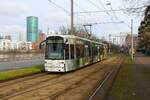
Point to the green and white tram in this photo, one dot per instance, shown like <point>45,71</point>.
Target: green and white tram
<point>68,52</point>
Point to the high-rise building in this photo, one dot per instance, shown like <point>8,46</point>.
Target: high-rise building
<point>32,29</point>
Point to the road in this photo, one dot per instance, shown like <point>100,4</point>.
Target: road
<point>20,64</point>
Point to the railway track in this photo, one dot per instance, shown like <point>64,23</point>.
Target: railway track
<point>100,91</point>
<point>51,82</point>
<point>4,84</point>
<point>74,85</point>
<point>25,83</point>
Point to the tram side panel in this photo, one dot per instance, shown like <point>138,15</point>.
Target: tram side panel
<point>76,58</point>
<point>82,56</point>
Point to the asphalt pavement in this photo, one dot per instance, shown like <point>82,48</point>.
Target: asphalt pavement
<point>20,64</point>
<point>133,82</point>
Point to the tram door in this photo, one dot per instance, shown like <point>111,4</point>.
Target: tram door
<point>86,54</point>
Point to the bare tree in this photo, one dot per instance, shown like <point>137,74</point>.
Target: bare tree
<point>79,31</point>
<point>135,6</point>
<point>63,30</point>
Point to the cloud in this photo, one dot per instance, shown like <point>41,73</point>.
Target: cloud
<point>13,9</point>
<point>58,17</point>
<point>11,29</point>
<point>14,31</point>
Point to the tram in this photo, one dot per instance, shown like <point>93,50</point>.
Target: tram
<point>65,53</point>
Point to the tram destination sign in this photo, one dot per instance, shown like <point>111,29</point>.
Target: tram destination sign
<point>55,41</point>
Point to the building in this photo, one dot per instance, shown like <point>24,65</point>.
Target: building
<point>7,45</point>
<point>8,37</point>
<point>42,37</point>
<point>32,29</point>
<point>129,41</point>
<point>1,37</point>
<point>123,36</point>
<point>24,46</point>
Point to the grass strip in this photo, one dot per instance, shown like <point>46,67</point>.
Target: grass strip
<point>122,83</point>
<point>15,73</point>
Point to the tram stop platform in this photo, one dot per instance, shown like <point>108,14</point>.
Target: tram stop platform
<point>133,80</point>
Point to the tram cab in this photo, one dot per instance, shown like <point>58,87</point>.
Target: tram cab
<point>54,54</point>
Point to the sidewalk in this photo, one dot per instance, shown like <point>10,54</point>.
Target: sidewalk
<point>133,80</point>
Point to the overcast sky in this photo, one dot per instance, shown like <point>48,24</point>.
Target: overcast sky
<point>13,15</point>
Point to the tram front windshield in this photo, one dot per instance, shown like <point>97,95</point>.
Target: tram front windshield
<point>54,48</point>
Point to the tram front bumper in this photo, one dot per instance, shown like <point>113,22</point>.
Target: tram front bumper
<point>54,68</point>
<point>54,65</point>
<point>57,69</point>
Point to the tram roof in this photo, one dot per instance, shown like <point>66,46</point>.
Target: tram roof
<point>77,37</point>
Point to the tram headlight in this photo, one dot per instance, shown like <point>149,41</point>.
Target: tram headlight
<point>61,62</point>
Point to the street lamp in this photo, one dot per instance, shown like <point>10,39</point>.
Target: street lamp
<point>131,39</point>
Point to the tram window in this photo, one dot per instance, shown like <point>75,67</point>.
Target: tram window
<point>95,50</point>
<point>72,51</point>
<point>82,50</point>
<point>86,51</point>
<point>66,51</point>
<point>77,51</point>
<point>54,51</point>
<point>98,50</point>
<point>101,49</point>
<point>90,50</point>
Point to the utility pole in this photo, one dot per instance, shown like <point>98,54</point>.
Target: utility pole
<point>90,29</point>
<point>109,43</point>
<point>90,25</point>
<point>72,17</point>
<point>132,39</point>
